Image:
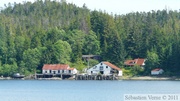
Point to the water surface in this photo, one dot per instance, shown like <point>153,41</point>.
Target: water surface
<point>64,90</point>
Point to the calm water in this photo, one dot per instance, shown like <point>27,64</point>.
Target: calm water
<point>49,90</point>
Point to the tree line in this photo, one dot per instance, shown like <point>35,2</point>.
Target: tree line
<point>49,32</point>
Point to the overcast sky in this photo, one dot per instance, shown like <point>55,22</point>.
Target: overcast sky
<point>119,6</point>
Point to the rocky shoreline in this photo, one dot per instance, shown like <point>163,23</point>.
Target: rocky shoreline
<point>5,78</point>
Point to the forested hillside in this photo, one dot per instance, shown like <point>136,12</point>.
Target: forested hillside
<point>33,34</point>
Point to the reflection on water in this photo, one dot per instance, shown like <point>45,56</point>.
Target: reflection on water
<point>52,90</point>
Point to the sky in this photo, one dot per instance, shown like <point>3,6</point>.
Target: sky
<point>118,6</point>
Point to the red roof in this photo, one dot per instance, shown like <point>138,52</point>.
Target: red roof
<point>129,62</point>
<point>70,68</point>
<point>112,66</point>
<point>157,69</point>
<point>138,61</point>
<point>55,67</point>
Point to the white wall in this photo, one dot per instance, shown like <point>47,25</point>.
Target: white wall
<point>96,69</point>
<point>106,69</point>
<point>120,73</point>
<point>45,71</point>
<point>61,71</point>
<point>52,71</point>
<point>157,72</point>
<point>74,71</point>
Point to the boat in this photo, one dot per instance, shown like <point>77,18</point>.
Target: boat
<point>18,75</point>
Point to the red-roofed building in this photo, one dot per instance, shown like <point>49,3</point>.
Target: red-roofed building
<point>58,69</point>
<point>139,62</point>
<point>157,71</point>
<point>105,68</point>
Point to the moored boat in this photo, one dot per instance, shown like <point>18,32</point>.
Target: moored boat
<point>17,75</point>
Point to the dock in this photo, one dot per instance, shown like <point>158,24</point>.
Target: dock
<point>77,76</point>
<point>96,77</point>
<point>49,76</point>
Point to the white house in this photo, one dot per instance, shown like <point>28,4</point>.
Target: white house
<point>157,71</point>
<point>58,69</point>
<point>105,68</point>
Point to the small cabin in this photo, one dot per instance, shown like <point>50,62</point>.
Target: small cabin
<point>104,68</point>
<point>157,71</point>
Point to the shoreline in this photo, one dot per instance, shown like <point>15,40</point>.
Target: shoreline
<point>151,78</point>
<point>140,78</point>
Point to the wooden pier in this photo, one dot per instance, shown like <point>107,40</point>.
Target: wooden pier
<point>77,76</point>
<point>96,77</point>
<point>62,76</point>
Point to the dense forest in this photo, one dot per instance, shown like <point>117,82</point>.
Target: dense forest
<point>50,32</point>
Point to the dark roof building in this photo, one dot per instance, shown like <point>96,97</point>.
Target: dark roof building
<point>86,57</point>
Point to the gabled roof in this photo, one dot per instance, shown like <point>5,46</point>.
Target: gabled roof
<point>157,69</point>
<point>112,66</point>
<point>138,61</point>
<point>55,67</point>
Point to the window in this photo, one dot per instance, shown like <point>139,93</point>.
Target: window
<point>106,66</point>
<point>45,71</point>
<point>69,71</point>
<point>62,71</point>
<point>101,68</point>
<point>101,63</point>
<point>58,71</point>
<point>49,71</point>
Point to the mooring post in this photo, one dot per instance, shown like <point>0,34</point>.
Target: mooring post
<point>61,76</point>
